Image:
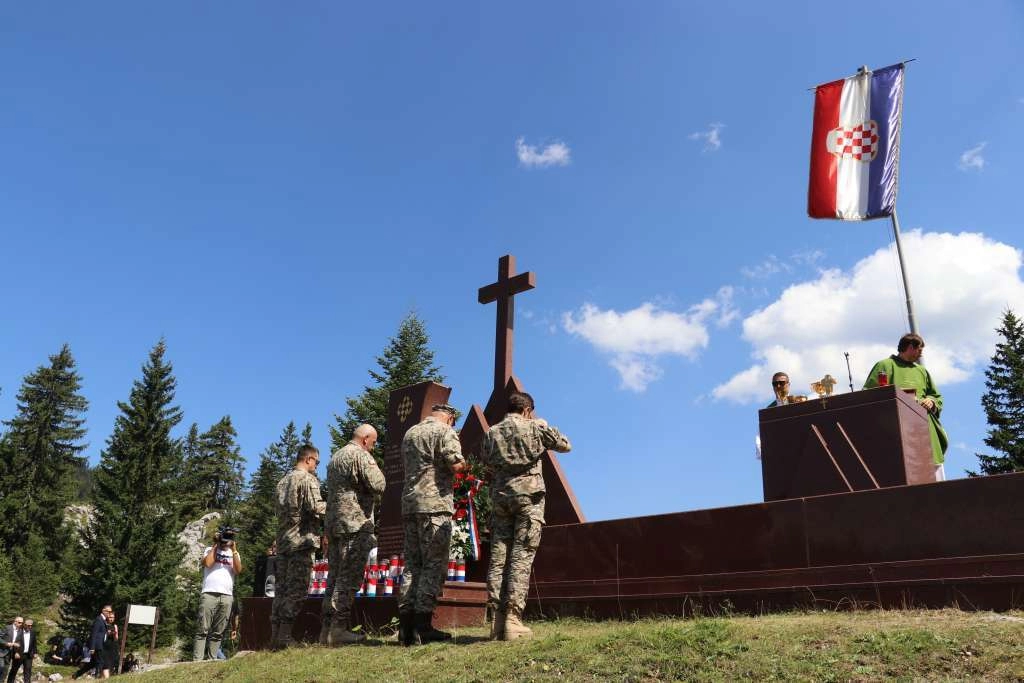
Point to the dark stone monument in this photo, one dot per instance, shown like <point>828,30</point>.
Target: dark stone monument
<point>561,506</point>
<point>406,407</point>
<point>881,536</point>
<point>847,442</point>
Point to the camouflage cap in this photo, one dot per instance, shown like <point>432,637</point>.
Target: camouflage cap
<point>443,408</point>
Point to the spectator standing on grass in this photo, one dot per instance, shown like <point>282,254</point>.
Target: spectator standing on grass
<point>221,563</point>
<point>97,637</point>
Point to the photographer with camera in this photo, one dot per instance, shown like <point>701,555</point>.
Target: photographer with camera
<point>221,564</point>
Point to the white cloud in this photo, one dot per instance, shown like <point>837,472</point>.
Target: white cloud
<point>961,283</point>
<point>637,338</point>
<point>712,137</point>
<point>772,265</point>
<point>531,156</point>
<point>810,257</point>
<point>971,160</point>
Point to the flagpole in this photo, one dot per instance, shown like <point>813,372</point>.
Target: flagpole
<point>903,272</point>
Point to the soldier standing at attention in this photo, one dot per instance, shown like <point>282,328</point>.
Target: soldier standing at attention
<point>300,512</point>
<point>354,485</point>
<point>512,450</point>
<point>432,455</point>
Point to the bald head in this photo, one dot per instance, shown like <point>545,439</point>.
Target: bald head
<point>364,436</point>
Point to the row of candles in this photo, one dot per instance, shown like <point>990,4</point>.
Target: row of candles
<point>379,578</point>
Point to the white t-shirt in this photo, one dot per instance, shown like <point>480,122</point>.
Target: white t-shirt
<point>220,578</point>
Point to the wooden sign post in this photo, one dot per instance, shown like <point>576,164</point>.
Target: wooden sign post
<point>143,615</point>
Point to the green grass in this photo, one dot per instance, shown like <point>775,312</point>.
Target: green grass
<point>834,646</point>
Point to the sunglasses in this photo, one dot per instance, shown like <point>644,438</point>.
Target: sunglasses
<point>780,383</point>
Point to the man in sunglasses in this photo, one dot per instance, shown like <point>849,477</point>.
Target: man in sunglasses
<point>300,513</point>
<point>10,644</point>
<point>780,387</point>
<point>903,370</point>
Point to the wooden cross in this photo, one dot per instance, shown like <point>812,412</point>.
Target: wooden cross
<point>508,285</point>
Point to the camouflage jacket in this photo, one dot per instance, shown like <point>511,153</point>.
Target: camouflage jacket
<point>512,450</point>
<point>300,510</point>
<point>354,485</point>
<point>429,450</point>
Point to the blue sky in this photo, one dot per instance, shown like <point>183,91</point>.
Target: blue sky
<point>271,189</point>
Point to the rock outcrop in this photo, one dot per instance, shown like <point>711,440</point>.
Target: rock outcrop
<point>194,540</point>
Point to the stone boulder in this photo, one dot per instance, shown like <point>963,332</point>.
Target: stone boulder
<point>194,540</point>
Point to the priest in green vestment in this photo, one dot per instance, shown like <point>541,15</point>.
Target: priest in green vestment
<point>904,371</point>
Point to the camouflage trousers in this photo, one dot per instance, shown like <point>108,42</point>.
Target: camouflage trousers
<point>516,523</point>
<point>346,555</point>
<point>428,538</point>
<point>291,584</point>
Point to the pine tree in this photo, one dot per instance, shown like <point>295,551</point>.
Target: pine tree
<point>220,466</point>
<point>1003,401</point>
<point>131,552</point>
<point>258,520</point>
<point>407,359</point>
<point>44,442</point>
<point>258,525</point>
<point>189,496</point>
<point>36,583</point>
<point>6,585</point>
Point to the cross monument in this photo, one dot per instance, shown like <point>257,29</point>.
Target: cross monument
<point>508,285</point>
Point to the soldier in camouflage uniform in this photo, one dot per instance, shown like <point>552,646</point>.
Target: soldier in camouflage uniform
<point>354,485</point>
<point>432,455</point>
<point>512,451</point>
<point>300,512</point>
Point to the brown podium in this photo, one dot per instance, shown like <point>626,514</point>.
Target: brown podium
<point>859,441</point>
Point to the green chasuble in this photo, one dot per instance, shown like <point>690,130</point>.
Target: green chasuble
<point>906,375</point>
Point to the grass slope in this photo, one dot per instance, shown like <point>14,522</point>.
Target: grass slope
<point>864,645</point>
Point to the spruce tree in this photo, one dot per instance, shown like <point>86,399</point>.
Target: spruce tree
<point>1003,401</point>
<point>131,551</point>
<point>257,516</point>
<point>258,523</point>
<point>407,359</point>
<point>36,582</point>
<point>219,469</point>
<point>189,497</point>
<point>44,443</point>
<point>6,585</point>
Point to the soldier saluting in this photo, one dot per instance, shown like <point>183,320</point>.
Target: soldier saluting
<point>512,450</point>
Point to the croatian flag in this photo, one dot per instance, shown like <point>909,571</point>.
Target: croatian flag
<point>855,146</point>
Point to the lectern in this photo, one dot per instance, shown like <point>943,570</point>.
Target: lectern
<point>863,440</point>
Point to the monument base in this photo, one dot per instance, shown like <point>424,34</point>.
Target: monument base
<point>958,543</point>
<point>462,605</point>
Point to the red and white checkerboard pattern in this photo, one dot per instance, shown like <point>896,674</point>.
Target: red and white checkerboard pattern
<point>858,142</point>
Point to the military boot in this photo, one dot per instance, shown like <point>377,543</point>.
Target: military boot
<point>425,631</point>
<point>514,627</point>
<point>284,635</point>
<point>497,622</point>
<point>407,628</point>
<point>325,630</point>
<point>341,635</point>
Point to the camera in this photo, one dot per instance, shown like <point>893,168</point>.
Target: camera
<point>226,533</point>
